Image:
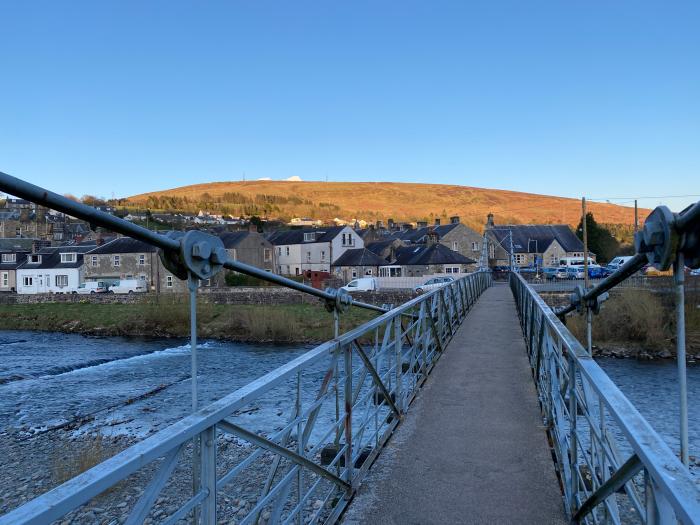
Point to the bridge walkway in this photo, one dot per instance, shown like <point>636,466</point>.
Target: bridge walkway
<point>472,448</point>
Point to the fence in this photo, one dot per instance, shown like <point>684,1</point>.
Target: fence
<point>613,466</point>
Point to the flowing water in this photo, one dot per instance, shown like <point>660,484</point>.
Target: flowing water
<point>134,386</point>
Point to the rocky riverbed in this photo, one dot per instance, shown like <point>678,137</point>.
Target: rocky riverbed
<point>41,461</point>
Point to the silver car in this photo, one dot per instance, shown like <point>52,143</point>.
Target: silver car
<point>431,284</point>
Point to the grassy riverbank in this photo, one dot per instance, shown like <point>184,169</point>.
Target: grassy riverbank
<point>257,323</point>
<point>640,323</point>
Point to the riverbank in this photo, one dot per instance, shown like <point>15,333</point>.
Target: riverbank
<point>640,324</point>
<point>282,323</point>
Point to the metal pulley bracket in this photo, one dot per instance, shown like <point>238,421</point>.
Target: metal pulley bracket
<point>690,246</point>
<point>200,253</point>
<point>577,299</point>
<point>341,300</point>
<point>659,238</point>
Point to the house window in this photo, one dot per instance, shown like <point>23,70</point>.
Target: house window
<point>368,272</point>
<point>68,258</point>
<point>142,260</point>
<point>5,279</point>
<point>308,256</point>
<point>309,237</point>
<point>296,270</point>
<point>28,281</point>
<point>519,258</point>
<point>451,269</point>
<point>61,281</point>
<point>142,277</point>
<point>34,259</point>
<point>117,261</point>
<point>94,261</point>
<point>475,246</point>
<point>323,256</point>
<point>169,281</point>
<point>267,254</point>
<point>9,257</point>
<point>454,246</point>
<point>279,251</point>
<point>287,251</point>
<point>354,273</point>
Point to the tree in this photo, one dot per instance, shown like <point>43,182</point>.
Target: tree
<point>600,240</point>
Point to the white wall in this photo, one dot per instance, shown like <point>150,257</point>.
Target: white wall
<point>44,280</point>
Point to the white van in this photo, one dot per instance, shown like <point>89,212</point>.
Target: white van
<point>363,284</point>
<point>128,286</point>
<point>574,261</point>
<point>93,287</point>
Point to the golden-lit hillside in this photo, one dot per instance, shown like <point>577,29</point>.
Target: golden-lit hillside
<point>377,200</point>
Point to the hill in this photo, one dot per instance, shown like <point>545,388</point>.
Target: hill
<point>373,201</point>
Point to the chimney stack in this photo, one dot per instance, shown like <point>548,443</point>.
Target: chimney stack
<point>432,238</point>
<point>489,221</point>
<point>422,224</point>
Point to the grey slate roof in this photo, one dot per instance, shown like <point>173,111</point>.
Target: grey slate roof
<point>15,243</point>
<point>51,258</point>
<point>123,245</point>
<point>359,257</point>
<point>233,239</point>
<point>20,257</point>
<point>417,236</point>
<point>425,255</point>
<point>536,238</point>
<point>297,236</point>
<point>378,247</point>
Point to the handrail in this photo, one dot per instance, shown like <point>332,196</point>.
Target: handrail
<point>95,217</point>
<point>442,307</point>
<point>670,477</point>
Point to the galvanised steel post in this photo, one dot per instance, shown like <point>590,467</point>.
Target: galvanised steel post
<point>300,450</point>
<point>589,331</point>
<point>193,284</point>
<point>208,475</point>
<point>397,354</point>
<point>348,417</point>
<point>573,440</point>
<point>679,278</point>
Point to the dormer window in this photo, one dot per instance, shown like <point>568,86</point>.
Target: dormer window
<point>69,257</point>
<point>309,237</point>
<point>9,257</point>
<point>34,258</point>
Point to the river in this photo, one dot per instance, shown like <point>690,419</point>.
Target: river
<point>47,379</point>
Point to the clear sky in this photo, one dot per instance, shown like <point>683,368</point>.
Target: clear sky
<point>596,98</point>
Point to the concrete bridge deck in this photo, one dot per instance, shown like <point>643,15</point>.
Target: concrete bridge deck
<point>472,448</point>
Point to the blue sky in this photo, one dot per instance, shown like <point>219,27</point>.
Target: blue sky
<point>566,98</point>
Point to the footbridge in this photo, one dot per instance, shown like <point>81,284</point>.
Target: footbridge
<point>471,403</point>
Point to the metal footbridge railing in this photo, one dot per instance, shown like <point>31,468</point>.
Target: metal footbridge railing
<point>613,466</point>
<point>329,411</point>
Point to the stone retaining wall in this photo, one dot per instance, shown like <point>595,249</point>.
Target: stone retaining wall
<point>238,295</point>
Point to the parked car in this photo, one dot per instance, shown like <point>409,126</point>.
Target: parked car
<point>90,287</point>
<point>128,286</point>
<point>363,284</point>
<point>549,273</point>
<point>595,271</point>
<point>431,284</point>
<point>695,273</point>
<point>575,272</point>
<point>561,273</point>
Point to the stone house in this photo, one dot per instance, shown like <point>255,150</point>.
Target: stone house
<point>9,261</point>
<point>312,249</point>
<point>426,259</point>
<point>541,245</point>
<point>456,236</point>
<point>358,262</point>
<point>127,258</point>
<point>52,270</point>
<point>249,248</point>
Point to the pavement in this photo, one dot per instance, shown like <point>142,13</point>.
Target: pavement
<point>472,447</point>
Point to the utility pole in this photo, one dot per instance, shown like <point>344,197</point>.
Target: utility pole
<point>636,217</point>
<point>589,319</point>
